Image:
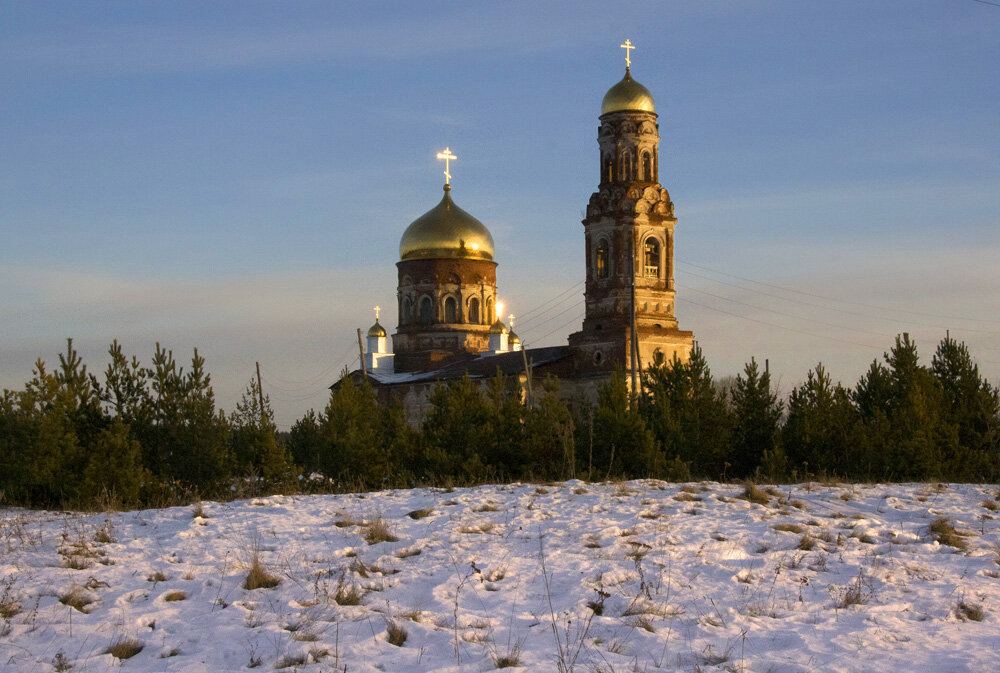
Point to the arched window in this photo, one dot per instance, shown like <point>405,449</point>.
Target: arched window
<point>647,167</point>
<point>407,311</point>
<point>474,311</point>
<point>651,257</point>
<point>426,310</point>
<point>608,173</point>
<point>601,260</point>
<point>450,310</point>
<point>489,309</point>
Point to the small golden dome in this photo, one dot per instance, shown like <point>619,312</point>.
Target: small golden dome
<point>627,95</point>
<point>513,339</point>
<point>498,328</point>
<point>376,330</point>
<point>446,231</point>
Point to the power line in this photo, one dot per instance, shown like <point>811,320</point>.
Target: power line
<point>789,329</point>
<point>553,317</point>
<point>544,304</point>
<point>573,319</point>
<point>844,301</point>
<point>788,315</point>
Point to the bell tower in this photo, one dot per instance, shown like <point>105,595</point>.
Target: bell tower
<point>629,243</point>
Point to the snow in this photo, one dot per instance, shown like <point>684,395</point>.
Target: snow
<point>685,577</point>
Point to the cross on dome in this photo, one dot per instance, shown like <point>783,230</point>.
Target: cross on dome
<point>377,309</point>
<point>448,158</point>
<point>628,47</point>
<point>510,320</point>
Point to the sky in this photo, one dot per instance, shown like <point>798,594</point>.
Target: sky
<point>235,176</point>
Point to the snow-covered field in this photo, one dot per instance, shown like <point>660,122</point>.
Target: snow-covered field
<point>634,576</point>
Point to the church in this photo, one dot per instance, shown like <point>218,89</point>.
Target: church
<point>450,322</point>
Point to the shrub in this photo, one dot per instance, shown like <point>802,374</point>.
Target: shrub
<point>173,596</point>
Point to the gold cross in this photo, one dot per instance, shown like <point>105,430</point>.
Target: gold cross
<point>510,319</point>
<point>377,309</point>
<point>628,47</point>
<point>448,158</point>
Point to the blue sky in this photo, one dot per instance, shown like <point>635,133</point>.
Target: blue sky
<point>236,176</point>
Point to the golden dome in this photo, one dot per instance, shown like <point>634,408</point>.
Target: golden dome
<point>446,231</point>
<point>627,95</point>
<point>376,330</point>
<point>513,339</point>
<point>498,327</point>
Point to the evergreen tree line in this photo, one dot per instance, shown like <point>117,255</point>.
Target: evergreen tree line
<point>144,436</point>
<point>152,435</point>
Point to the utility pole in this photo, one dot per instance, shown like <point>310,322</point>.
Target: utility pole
<point>527,375</point>
<point>632,331</point>
<point>361,353</point>
<point>260,397</point>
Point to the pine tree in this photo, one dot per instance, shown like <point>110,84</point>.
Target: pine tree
<point>253,439</point>
<point>351,436</point>
<point>114,467</point>
<point>687,415</point>
<point>623,446</point>
<point>818,436</point>
<point>972,408</point>
<point>548,436</point>
<point>756,416</point>
<point>456,429</point>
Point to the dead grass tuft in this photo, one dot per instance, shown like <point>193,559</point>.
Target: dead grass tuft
<point>807,543</point>
<point>258,576</point>
<point>789,528</point>
<point>753,494</point>
<point>990,505</point>
<point>944,532</point>
<point>156,576</point>
<point>76,598</point>
<point>968,611</point>
<point>173,596</point>
<point>420,513</point>
<point>379,531</point>
<point>124,647</point>
<point>486,507</point>
<point>394,633</point>
<point>509,659</point>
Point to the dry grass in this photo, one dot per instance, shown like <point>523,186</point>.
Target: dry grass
<point>379,531</point>
<point>968,611</point>
<point>508,659</point>
<point>408,552</point>
<point>258,577</point>
<point>198,511</point>
<point>420,513</point>
<point>124,647</point>
<point>346,521</point>
<point>156,576</point>
<point>990,505</point>
<point>789,528</point>
<point>480,528</point>
<point>76,598</point>
<point>291,660</point>
<point>347,594</point>
<point>173,596</point>
<point>394,633</point>
<point>487,507</point>
<point>755,495</point>
<point>944,532</point>
<point>807,543</point>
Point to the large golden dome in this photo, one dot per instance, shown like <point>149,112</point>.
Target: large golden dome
<point>627,95</point>
<point>446,231</point>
